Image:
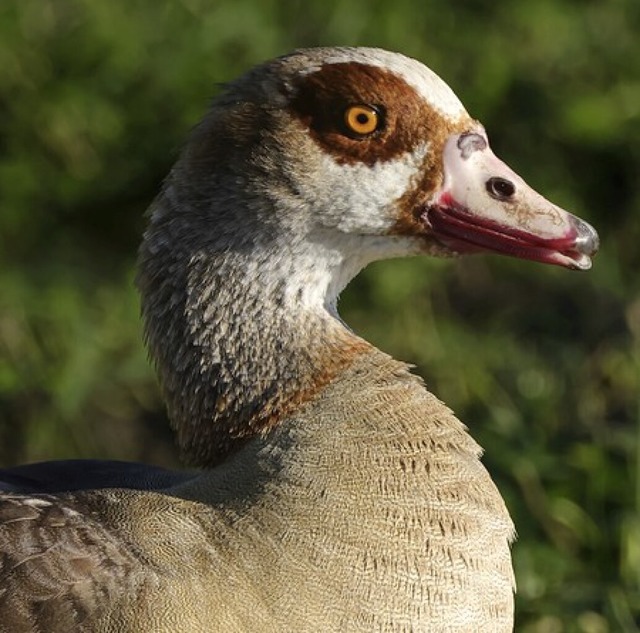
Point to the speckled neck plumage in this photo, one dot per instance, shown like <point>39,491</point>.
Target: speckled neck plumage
<point>242,345</point>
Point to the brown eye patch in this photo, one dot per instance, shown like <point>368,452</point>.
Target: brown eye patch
<point>322,102</point>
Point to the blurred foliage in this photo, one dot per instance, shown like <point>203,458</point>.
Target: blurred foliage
<point>95,99</point>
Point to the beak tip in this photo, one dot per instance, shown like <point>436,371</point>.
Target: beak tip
<point>587,240</point>
<point>584,263</point>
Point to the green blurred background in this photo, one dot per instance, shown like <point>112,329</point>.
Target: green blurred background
<point>542,363</point>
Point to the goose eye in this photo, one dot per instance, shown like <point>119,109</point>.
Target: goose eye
<point>362,120</point>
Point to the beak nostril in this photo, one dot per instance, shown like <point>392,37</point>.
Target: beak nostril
<point>500,188</point>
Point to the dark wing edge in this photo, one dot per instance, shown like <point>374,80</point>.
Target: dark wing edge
<point>85,474</point>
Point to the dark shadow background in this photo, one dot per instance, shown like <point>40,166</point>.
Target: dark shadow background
<point>542,363</point>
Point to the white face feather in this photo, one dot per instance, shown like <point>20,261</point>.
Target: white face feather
<point>352,209</point>
<point>359,198</point>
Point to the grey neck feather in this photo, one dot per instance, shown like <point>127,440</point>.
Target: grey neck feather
<point>242,325</point>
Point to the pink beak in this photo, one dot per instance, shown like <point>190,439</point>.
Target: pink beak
<point>485,206</point>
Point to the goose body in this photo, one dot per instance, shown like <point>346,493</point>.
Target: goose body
<point>334,493</point>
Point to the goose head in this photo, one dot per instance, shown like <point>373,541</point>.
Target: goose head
<point>392,153</point>
<point>303,171</point>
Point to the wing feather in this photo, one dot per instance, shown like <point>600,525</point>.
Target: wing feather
<point>58,564</point>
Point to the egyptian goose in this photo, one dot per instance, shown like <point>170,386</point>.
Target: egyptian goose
<point>336,494</point>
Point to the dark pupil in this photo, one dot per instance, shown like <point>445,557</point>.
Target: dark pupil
<point>500,188</point>
<point>362,118</point>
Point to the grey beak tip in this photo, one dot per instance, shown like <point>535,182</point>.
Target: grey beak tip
<point>587,241</point>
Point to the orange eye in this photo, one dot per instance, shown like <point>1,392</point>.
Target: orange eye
<point>362,120</point>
